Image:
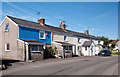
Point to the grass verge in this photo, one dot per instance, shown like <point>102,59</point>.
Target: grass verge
<point>116,53</point>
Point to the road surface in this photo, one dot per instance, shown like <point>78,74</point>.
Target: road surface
<point>71,66</point>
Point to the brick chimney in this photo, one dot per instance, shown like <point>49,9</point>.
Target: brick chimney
<point>62,25</point>
<point>86,32</point>
<point>41,21</point>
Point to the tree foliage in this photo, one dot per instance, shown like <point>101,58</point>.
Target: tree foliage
<point>106,40</point>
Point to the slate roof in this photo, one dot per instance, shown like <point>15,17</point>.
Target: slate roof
<point>87,44</point>
<point>115,41</point>
<point>30,24</point>
<point>99,45</point>
<point>32,41</point>
<point>63,43</point>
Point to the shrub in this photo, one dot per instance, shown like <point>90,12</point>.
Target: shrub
<point>50,52</point>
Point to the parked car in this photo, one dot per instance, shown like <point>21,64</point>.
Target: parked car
<point>104,53</point>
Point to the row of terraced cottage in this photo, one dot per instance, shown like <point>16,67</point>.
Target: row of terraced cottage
<point>25,40</point>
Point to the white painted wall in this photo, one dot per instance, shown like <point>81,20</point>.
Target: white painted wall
<point>76,43</point>
<point>89,52</point>
<point>119,45</point>
<point>97,50</point>
<point>74,40</point>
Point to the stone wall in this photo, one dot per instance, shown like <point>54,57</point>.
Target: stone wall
<point>68,54</point>
<point>9,37</point>
<point>36,56</point>
<point>21,49</point>
<point>59,48</point>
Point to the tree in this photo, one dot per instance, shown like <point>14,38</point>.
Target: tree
<point>105,39</point>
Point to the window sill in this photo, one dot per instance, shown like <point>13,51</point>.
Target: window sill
<point>66,40</point>
<point>35,51</point>
<point>7,50</point>
<point>42,38</point>
<point>5,30</point>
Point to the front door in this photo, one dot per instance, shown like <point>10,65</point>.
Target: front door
<point>92,51</point>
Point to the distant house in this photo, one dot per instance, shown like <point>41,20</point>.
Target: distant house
<point>116,43</point>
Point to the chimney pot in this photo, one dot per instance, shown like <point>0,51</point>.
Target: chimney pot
<point>86,32</point>
<point>62,25</point>
<point>41,21</point>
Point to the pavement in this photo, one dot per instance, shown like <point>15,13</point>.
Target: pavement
<point>70,66</point>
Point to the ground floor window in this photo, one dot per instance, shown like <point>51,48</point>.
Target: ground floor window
<point>7,47</point>
<point>67,48</point>
<point>35,48</point>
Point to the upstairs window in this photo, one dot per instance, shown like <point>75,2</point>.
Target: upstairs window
<point>7,47</point>
<point>65,38</point>
<point>86,48</point>
<point>98,42</point>
<point>6,27</point>
<point>79,40</point>
<point>42,35</point>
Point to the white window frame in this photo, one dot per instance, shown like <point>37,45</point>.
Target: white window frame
<point>5,27</point>
<point>6,47</point>
<point>66,38</point>
<point>43,36</point>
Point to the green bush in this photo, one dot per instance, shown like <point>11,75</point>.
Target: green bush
<point>50,52</point>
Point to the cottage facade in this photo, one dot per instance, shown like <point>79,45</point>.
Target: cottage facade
<point>22,41</point>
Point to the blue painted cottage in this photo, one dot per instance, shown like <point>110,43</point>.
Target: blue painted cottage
<point>24,40</point>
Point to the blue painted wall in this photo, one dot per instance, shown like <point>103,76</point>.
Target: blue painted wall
<point>33,34</point>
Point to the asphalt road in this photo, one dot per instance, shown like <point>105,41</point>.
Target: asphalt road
<point>71,66</point>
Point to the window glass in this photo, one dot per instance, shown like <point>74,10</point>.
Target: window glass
<point>65,38</point>
<point>65,47</point>
<point>8,47</point>
<point>35,48</point>
<point>6,27</point>
<point>70,47</point>
<point>98,42</point>
<point>85,48</point>
<point>79,40</point>
<point>42,35</point>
